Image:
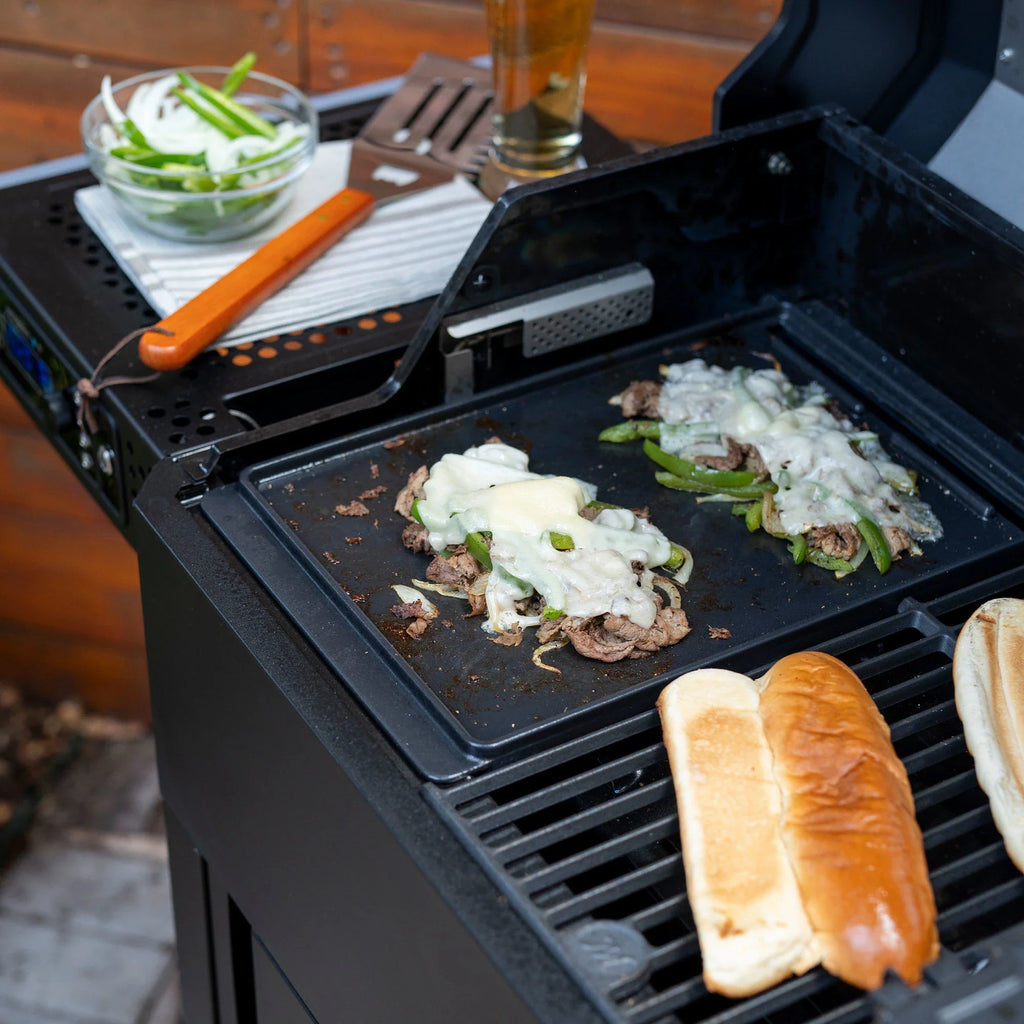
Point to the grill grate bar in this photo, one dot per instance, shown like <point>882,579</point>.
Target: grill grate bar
<point>955,785</point>
<point>573,825</point>
<point>922,683</point>
<point>753,1010</point>
<point>661,870</point>
<point>920,760</point>
<point>600,853</point>
<point>654,1010</point>
<point>674,951</point>
<point>557,757</point>
<point>784,996</point>
<point>671,908</point>
<point>971,864</point>
<point>982,904</point>
<point>922,720</point>
<point>961,825</point>
<point>541,799</point>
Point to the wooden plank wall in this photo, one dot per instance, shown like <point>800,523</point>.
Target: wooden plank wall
<point>70,619</point>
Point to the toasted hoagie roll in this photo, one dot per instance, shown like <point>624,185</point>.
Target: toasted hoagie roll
<point>797,823</point>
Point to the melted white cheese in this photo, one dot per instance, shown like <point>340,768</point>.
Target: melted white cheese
<point>822,475</point>
<point>490,489</point>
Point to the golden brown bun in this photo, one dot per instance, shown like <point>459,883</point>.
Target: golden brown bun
<point>750,921</point>
<point>988,676</point>
<point>848,822</point>
<point>797,823</point>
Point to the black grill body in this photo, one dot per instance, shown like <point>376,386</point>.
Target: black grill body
<point>361,831</point>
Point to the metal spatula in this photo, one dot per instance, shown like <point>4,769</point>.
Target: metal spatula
<point>444,108</point>
<point>377,174</point>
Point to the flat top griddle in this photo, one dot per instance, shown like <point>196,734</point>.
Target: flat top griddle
<point>489,702</point>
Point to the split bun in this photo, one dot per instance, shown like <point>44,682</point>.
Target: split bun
<point>797,824</point>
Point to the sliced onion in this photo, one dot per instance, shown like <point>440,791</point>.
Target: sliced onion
<point>859,556</point>
<point>663,583</point>
<point>551,645</point>
<point>409,595</point>
<point>444,589</point>
<point>771,359</point>
<point>114,114</point>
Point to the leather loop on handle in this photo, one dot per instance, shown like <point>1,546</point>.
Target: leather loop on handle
<point>206,317</point>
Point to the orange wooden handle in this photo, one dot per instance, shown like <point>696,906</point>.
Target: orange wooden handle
<point>206,317</point>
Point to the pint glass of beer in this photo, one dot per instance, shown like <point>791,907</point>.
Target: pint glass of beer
<point>538,52</point>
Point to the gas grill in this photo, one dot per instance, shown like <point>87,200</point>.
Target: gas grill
<point>365,826</point>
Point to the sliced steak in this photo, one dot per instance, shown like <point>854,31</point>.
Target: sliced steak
<point>411,491</point>
<point>592,640</point>
<point>611,638</point>
<point>731,460</point>
<point>753,461</point>
<point>670,626</point>
<point>840,540</point>
<point>641,399</point>
<point>458,569</point>
<point>510,638</point>
<point>415,538</point>
<point>898,540</point>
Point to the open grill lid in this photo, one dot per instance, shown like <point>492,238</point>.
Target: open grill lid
<point>942,81</point>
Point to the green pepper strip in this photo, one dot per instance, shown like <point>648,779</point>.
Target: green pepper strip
<point>676,556</point>
<point>818,557</point>
<point>414,511</point>
<point>476,545</point>
<point>878,546</point>
<point>238,74</point>
<point>631,430</point>
<point>561,541</point>
<point>678,483</point>
<point>250,123</point>
<point>154,158</point>
<point>551,613</point>
<point>753,517</point>
<point>798,548</point>
<point>222,124</point>
<point>740,510</point>
<point>717,480</point>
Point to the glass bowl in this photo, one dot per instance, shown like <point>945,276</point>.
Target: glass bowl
<point>188,203</point>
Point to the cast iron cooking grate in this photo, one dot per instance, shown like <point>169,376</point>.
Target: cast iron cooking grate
<point>583,839</point>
